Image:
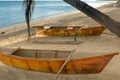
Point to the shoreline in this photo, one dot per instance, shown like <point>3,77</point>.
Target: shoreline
<point>15,25</point>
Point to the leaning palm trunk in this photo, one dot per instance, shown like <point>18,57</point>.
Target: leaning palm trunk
<point>98,16</point>
<point>29,6</point>
<point>118,1</point>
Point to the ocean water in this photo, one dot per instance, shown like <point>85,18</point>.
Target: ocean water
<point>12,12</point>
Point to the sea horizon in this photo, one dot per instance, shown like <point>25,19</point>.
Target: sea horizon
<point>12,12</point>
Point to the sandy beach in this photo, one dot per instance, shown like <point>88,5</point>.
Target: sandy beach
<point>107,42</point>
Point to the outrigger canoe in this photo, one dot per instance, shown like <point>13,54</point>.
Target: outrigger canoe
<point>51,61</point>
<point>68,31</point>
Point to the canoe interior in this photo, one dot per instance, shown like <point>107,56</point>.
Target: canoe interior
<point>41,53</point>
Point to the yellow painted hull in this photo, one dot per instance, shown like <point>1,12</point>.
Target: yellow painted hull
<point>75,66</point>
<point>93,31</point>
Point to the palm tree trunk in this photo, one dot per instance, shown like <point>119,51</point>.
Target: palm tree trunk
<point>29,6</point>
<point>98,16</point>
<point>28,26</point>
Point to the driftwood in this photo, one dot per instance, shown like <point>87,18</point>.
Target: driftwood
<point>98,16</point>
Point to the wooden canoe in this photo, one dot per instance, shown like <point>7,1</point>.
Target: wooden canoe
<point>68,31</point>
<point>51,60</point>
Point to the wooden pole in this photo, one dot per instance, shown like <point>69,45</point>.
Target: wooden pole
<point>66,61</point>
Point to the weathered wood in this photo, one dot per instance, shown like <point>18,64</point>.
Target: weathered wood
<point>98,16</point>
<point>45,63</point>
<point>70,31</point>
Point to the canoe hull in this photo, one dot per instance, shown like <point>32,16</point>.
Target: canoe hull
<point>74,66</point>
<point>93,31</point>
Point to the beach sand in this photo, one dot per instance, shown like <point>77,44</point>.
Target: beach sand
<point>16,36</point>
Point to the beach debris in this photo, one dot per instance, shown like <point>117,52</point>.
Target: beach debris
<point>2,32</point>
